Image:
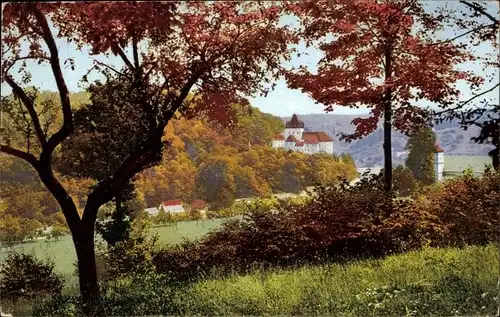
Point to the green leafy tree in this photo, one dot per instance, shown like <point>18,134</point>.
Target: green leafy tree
<point>421,147</point>
<point>24,276</point>
<point>215,182</point>
<point>58,230</point>
<point>347,158</point>
<point>104,133</point>
<point>10,230</point>
<point>405,182</point>
<point>30,228</point>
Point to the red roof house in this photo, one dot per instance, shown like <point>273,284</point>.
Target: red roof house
<point>198,204</point>
<point>174,202</point>
<point>173,206</point>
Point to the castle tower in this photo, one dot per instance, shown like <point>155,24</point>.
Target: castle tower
<point>438,162</point>
<point>294,127</point>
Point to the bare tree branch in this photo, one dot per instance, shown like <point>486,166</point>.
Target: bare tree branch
<point>135,52</point>
<point>28,157</point>
<point>123,56</point>
<point>24,58</point>
<point>29,105</point>
<point>67,127</point>
<point>479,9</point>
<point>464,34</point>
<point>467,101</point>
<point>107,66</point>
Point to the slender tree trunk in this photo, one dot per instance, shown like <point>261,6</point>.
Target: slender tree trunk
<point>388,124</point>
<point>87,273</point>
<point>495,153</point>
<point>387,149</point>
<point>118,205</point>
<point>495,158</point>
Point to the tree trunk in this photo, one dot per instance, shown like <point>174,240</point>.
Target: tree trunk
<point>387,150</point>
<point>495,158</point>
<point>120,215</point>
<point>495,153</point>
<point>388,124</point>
<point>87,273</point>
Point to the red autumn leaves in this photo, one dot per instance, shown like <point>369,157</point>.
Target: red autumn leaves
<point>368,37</point>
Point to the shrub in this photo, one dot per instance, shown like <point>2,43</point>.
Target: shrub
<point>341,221</point>
<point>333,223</point>
<point>129,257</point>
<point>24,276</point>
<point>467,208</point>
<point>404,181</point>
<point>61,306</point>
<point>144,295</point>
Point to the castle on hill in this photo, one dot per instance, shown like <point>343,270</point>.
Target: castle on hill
<point>294,138</point>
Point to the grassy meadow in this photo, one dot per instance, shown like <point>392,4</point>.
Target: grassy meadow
<point>429,282</point>
<point>439,282</point>
<point>62,252</point>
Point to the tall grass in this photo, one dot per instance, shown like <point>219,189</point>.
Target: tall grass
<point>431,282</point>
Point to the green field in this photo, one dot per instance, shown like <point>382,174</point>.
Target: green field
<point>430,282</point>
<point>63,253</point>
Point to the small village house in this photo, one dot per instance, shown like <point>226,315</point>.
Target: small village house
<point>172,206</point>
<point>153,211</point>
<point>199,205</point>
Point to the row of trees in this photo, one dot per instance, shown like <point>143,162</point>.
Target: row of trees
<point>200,59</point>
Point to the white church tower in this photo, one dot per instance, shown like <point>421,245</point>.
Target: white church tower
<point>294,127</point>
<point>438,163</point>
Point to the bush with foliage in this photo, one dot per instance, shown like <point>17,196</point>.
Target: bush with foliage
<point>467,208</point>
<point>131,256</point>
<point>334,222</point>
<point>61,306</point>
<point>404,182</point>
<point>343,221</point>
<point>24,276</point>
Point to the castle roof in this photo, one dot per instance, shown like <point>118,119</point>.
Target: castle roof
<point>310,138</point>
<point>316,137</point>
<point>299,143</point>
<point>279,137</point>
<point>311,142</point>
<point>437,149</point>
<point>291,138</point>
<point>294,123</point>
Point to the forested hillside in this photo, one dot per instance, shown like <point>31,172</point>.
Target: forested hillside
<point>203,161</point>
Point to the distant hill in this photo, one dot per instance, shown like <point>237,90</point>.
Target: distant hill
<point>368,151</point>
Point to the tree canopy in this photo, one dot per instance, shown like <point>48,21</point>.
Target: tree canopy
<point>381,55</point>
<point>213,51</point>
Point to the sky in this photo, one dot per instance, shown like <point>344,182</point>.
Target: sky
<point>283,101</point>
